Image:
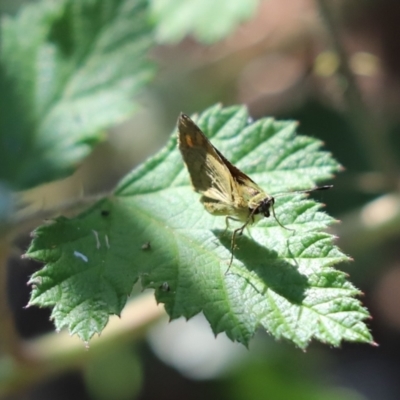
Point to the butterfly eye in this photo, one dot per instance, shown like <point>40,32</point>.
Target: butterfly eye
<point>266,212</point>
<point>265,206</point>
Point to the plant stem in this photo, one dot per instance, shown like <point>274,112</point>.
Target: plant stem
<point>57,352</point>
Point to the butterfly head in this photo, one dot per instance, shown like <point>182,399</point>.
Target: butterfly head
<point>264,206</point>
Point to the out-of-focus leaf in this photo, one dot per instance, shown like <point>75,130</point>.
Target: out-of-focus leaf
<point>207,20</point>
<point>68,70</point>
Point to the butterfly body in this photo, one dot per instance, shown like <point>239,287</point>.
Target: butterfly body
<point>225,190</point>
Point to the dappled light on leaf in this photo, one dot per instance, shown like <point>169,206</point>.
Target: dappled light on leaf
<point>157,231</point>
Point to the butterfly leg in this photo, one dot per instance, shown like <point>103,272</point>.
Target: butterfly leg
<point>227,223</point>
<point>236,232</point>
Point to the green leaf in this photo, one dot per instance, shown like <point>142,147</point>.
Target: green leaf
<point>207,20</point>
<point>68,70</point>
<point>280,279</point>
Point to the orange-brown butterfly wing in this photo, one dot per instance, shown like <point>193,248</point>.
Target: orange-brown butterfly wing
<point>226,190</point>
<point>208,172</point>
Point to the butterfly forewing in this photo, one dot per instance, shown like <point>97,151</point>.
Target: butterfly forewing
<point>225,189</point>
<point>208,173</point>
<point>212,175</point>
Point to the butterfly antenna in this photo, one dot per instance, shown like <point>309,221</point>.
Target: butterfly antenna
<point>314,189</point>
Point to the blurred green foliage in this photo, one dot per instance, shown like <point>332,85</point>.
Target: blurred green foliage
<point>69,70</point>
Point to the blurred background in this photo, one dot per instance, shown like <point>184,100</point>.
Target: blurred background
<point>335,67</point>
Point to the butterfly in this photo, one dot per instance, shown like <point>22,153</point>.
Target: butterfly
<point>225,190</point>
